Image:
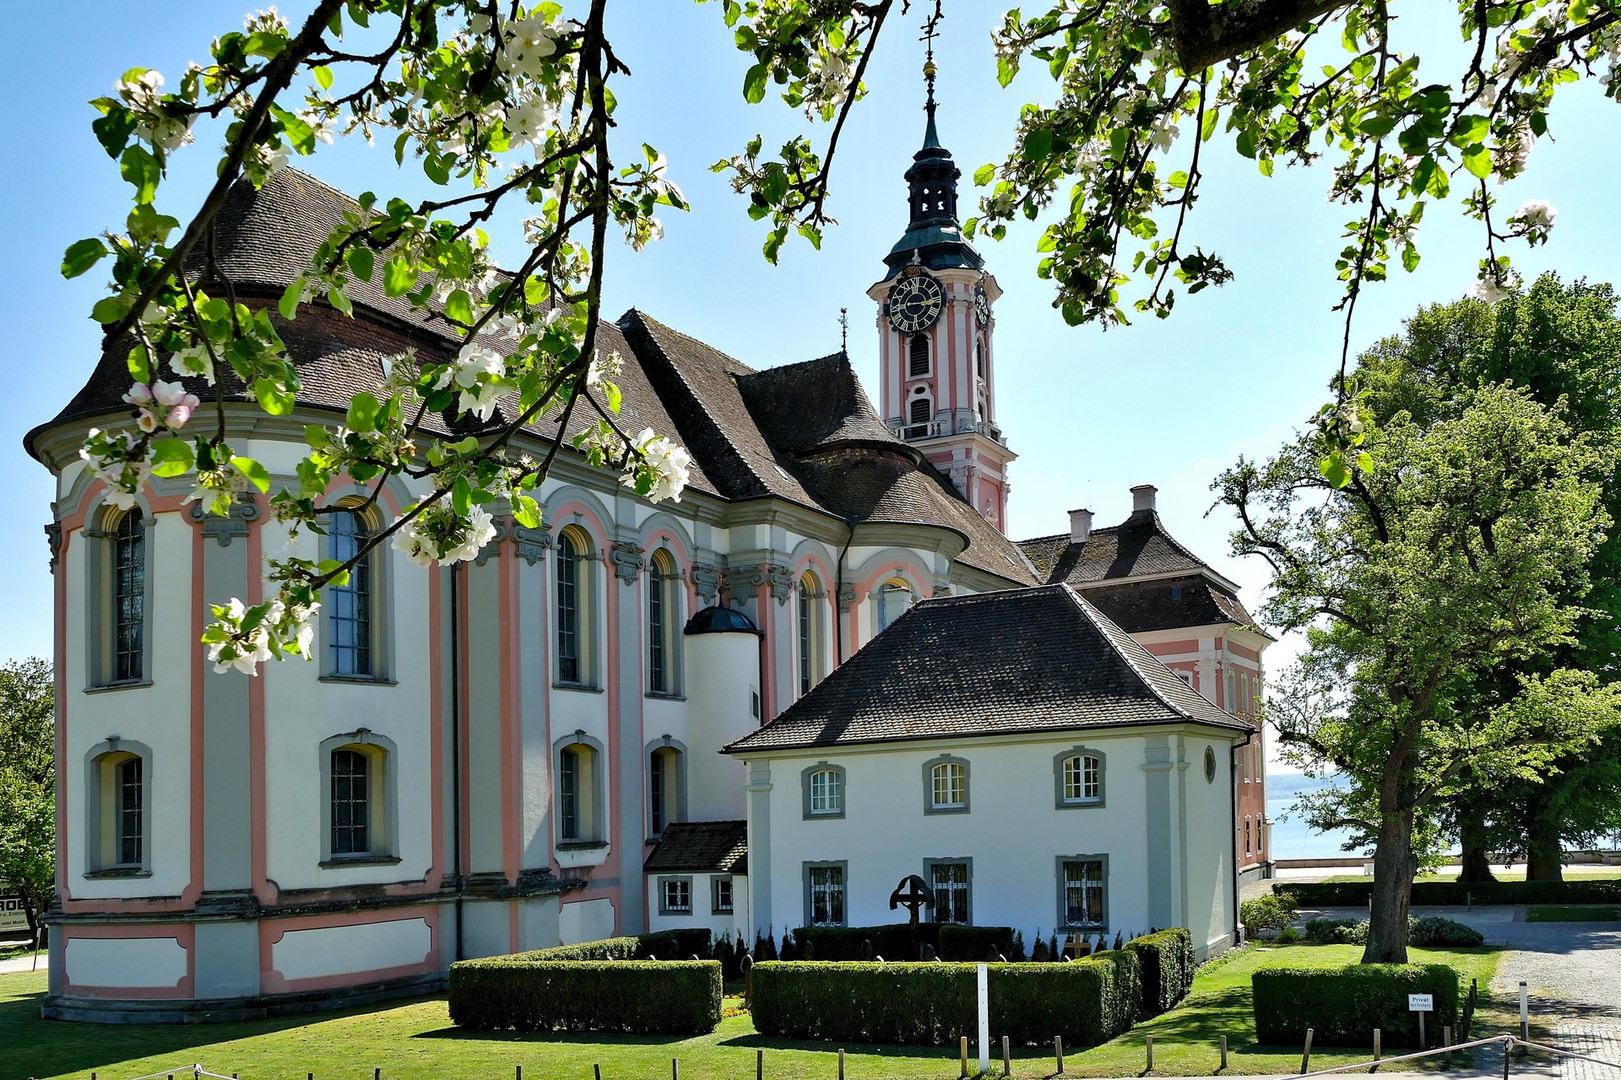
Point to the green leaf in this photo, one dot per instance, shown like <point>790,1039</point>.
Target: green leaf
<point>1364,461</point>
<point>984,175</point>
<point>399,276</point>
<point>1377,126</point>
<point>773,243</point>
<point>109,309</point>
<point>114,129</point>
<point>614,397</point>
<point>139,363</point>
<point>1211,118</point>
<point>754,83</point>
<point>459,306</point>
<point>774,184</point>
<point>272,398</point>
<point>340,300</point>
<point>1037,144</point>
<point>298,133</point>
<point>323,75</point>
<point>363,409</point>
<point>526,511</point>
<point>290,297</point>
<point>172,457</point>
<point>1477,160</point>
<point>1246,143</point>
<point>461,496</point>
<point>256,474</point>
<point>360,262</point>
<point>1333,469</point>
<point>142,170</point>
<point>81,256</point>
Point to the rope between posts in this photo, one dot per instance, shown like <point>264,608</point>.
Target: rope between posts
<point>1509,1042</point>
<point>197,1071</point>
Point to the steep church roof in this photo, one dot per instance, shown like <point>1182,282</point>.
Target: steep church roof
<point>1000,663</point>
<point>752,434</point>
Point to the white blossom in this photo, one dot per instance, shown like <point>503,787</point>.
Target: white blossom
<point>143,94</point>
<point>438,535</point>
<point>1494,287</point>
<point>194,361</point>
<point>1163,133</point>
<point>1536,214</point>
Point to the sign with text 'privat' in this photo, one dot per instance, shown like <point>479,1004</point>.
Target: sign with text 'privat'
<point>1420,1002</point>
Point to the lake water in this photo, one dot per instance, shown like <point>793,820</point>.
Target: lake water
<point>1292,838</point>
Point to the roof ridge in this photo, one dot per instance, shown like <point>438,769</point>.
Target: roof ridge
<point>649,320</point>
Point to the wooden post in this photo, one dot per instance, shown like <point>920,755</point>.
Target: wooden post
<point>1423,1043</point>
<point>675,1069</point>
<point>747,964</point>
<point>377,1073</point>
<point>1058,1052</point>
<point>596,1071</point>
<point>1305,1057</point>
<point>841,1063</point>
<point>1148,1045</point>
<point>1446,1036</point>
<point>963,1045</point>
<point>759,1065</point>
<point>1377,1049</point>
<point>1224,1053</point>
<point>1007,1058</point>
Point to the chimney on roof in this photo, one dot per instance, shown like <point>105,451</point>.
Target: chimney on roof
<point>1080,526</point>
<point>1142,497</point>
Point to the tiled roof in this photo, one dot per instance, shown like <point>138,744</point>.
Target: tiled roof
<point>752,434</point>
<point>1139,545</point>
<point>1165,604</point>
<point>1001,663</point>
<point>713,847</point>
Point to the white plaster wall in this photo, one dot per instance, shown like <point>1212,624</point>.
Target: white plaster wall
<point>125,962</point>
<point>585,920</point>
<point>1210,847</point>
<point>344,950</point>
<point>1013,832</point>
<point>301,711</point>
<point>723,925</point>
<point>158,715</point>
<point>721,670</point>
<point>534,688</point>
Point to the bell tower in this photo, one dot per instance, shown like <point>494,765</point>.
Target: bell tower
<point>935,328</point>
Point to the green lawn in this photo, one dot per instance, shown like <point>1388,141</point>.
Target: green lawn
<point>1572,913</point>
<point>415,1041</point>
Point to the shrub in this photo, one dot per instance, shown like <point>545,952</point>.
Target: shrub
<point>664,997</point>
<point>1167,962</point>
<point>1433,930</point>
<point>663,945</point>
<point>894,941</point>
<point>1086,1003</point>
<point>1356,893</point>
<point>1288,936</point>
<point>974,943</point>
<point>1337,931</point>
<point>1342,1005</point>
<point>1266,913</point>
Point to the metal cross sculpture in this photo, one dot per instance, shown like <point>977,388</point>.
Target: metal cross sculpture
<point>913,892</point>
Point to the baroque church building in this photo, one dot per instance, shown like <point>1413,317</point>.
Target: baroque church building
<point>825,669</point>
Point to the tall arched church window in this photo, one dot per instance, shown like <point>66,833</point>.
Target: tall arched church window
<point>579,794</point>
<point>664,781</point>
<point>573,614</point>
<point>351,613</point>
<point>809,632</point>
<point>663,616</point>
<point>351,803</point>
<point>979,356</point>
<point>918,358</point>
<point>894,597</point>
<point>129,598</point>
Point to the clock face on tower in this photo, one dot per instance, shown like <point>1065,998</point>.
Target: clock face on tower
<point>915,301</point>
<point>982,307</point>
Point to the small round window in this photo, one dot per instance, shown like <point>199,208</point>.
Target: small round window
<point>1209,765</point>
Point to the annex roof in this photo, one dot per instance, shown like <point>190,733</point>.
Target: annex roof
<point>1000,663</point>
<point>713,847</point>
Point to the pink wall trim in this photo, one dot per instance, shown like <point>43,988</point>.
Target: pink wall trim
<point>436,728</point>
<point>182,933</point>
<point>199,669</point>
<point>511,717</point>
<point>463,813</point>
<point>1167,648</point>
<point>768,628</point>
<point>272,981</point>
<point>263,887</point>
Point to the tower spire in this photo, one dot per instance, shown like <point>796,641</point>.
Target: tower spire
<point>931,137</point>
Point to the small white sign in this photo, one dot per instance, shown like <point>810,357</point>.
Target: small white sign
<point>1420,1002</point>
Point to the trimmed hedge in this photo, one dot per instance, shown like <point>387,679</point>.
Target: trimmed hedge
<point>894,941</point>
<point>663,945</point>
<point>1342,1005</point>
<point>1167,962</point>
<point>1457,893</point>
<point>1086,1002</point>
<point>656,997</point>
<point>974,943</point>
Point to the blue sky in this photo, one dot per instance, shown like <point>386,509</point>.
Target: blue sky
<point>1090,413</point>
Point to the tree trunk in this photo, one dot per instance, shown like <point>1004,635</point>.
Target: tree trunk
<point>1477,865</point>
<point>1394,867</point>
<point>1544,859</point>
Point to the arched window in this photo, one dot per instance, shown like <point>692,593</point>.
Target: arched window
<point>128,598</point>
<point>1079,776</point>
<point>979,357</point>
<point>946,785</point>
<point>351,607</point>
<point>116,809</point>
<point>810,632</point>
<point>917,363</point>
<point>573,608</point>
<point>1248,842</point>
<point>579,792</point>
<point>894,597</point>
<point>665,783</point>
<point>822,786</point>
<point>359,822</point>
<point>920,410</point>
<point>663,617</point>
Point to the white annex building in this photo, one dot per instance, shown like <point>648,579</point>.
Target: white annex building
<point>635,717</point>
